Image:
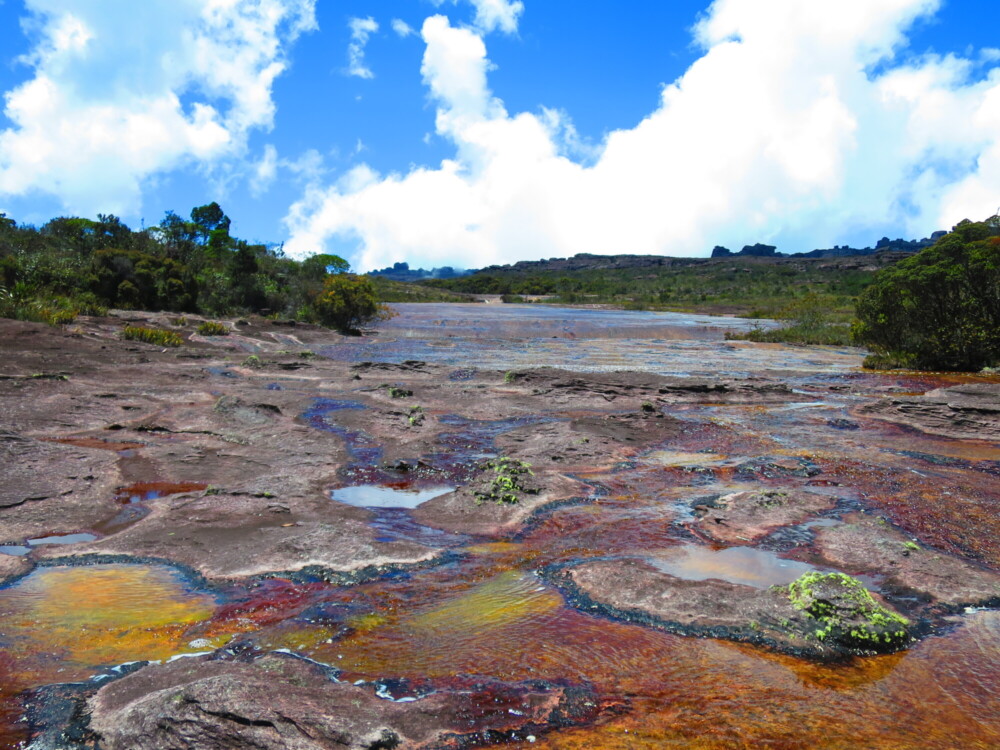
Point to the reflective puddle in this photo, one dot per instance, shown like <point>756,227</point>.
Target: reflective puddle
<point>743,565</point>
<point>374,496</point>
<point>21,550</point>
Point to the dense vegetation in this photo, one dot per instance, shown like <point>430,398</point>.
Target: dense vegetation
<point>74,266</point>
<point>755,287</point>
<point>939,309</point>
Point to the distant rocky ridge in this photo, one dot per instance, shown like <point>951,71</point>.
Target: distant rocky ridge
<point>403,272</point>
<point>593,262</point>
<point>769,251</point>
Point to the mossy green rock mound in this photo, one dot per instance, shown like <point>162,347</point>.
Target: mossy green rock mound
<point>846,615</point>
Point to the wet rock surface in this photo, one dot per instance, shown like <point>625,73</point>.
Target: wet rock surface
<point>278,701</point>
<point>12,566</point>
<point>289,503</point>
<point>745,517</point>
<point>869,544</point>
<point>968,411</point>
<point>638,590</point>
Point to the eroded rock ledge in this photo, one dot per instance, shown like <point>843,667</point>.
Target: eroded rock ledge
<point>279,702</point>
<point>967,412</point>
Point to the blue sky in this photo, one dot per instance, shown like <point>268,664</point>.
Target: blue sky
<point>470,132</point>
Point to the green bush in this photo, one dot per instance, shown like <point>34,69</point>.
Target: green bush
<point>347,302</point>
<point>212,328</point>
<point>151,336</point>
<point>939,309</point>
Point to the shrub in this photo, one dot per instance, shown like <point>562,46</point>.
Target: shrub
<point>212,328</point>
<point>347,302</point>
<point>151,336</point>
<point>939,309</point>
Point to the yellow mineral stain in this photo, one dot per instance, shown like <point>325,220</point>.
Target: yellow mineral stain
<point>86,617</point>
<point>674,458</point>
<point>497,603</point>
<point>493,548</point>
<point>366,623</point>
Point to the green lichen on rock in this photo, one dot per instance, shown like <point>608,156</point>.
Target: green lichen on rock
<point>844,613</point>
<point>506,484</point>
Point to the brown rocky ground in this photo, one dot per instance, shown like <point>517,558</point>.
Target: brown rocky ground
<point>278,702</point>
<point>745,517</point>
<point>970,411</point>
<point>245,452</point>
<point>864,543</point>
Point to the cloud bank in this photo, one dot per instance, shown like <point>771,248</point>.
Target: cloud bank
<point>798,125</point>
<point>124,91</point>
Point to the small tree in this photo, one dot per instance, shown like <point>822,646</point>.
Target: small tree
<point>939,309</point>
<point>347,302</point>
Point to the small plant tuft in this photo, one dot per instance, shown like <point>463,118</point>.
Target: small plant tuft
<point>397,392</point>
<point>253,361</point>
<point>212,328</point>
<point>155,336</point>
<point>843,611</point>
<point>507,483</point>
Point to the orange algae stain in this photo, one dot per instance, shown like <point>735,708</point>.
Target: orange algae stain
<point>12,731</point>
<point>733,696</point>
<point>149,490</point>
<point>69,621</point>
<point>96,443</point>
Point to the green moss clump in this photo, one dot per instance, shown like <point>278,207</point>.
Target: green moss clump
<point>253,361</point>
<point>395,392</point>
<point>151,336</point>
<point>845,613</point>
<point>507,484</point>
<point>213,328</point>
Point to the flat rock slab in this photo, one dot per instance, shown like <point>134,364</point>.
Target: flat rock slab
<point>636,590</point>
<point>966,412</point>
<point>464,513</point>
<point>282,703</point>
<point>231,536</point>
<point>745,517</point>
<point>12,567</point>
<point>51,488</point>
<point>864,544</point>
<point>612,385</point>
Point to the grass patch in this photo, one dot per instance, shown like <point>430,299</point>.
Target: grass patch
<point>213,328</point>
<point>154,336</point>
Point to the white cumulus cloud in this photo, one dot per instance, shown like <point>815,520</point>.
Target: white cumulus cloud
<point>123,91</point>
<point>402,28</point>
<point>361,30</point>
<point>493,15</point>
<point>780,132</point>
